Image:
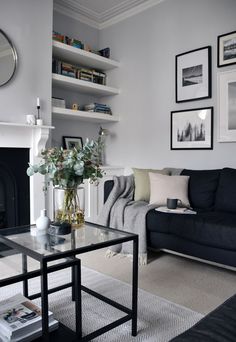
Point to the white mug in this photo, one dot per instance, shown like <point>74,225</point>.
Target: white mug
<point>30,119</point>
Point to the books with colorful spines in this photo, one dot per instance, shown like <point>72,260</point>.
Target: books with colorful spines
<point>58,37</point>
<point>20,317</point>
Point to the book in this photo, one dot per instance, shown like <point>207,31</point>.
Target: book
<point>175,211</point>
<point>30,336</point>
<point>19,316</point>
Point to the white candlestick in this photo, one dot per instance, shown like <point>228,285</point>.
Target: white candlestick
<point>38,102</point>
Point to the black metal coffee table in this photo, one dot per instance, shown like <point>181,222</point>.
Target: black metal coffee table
<point>50,248</point>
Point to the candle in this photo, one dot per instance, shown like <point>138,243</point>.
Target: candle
<point>38,102</point>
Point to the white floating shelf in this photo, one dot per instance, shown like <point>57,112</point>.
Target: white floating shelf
<point>64,113</point>
<point>81,57</point>
<point>83,86</point>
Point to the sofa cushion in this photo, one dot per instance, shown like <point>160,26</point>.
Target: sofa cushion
<point>163,187</point>
<point>216,229</point>
<point>142,184</point>
<point>202,187</point>
<point>226,192</point>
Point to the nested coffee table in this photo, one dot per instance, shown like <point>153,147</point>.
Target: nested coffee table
<point>66,249</point>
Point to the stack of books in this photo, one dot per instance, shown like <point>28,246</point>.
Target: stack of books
<point>85,75</point>
<point>21,320</point>
<point>68,69</point>
<point>98,107</point>
<point>58,102</point>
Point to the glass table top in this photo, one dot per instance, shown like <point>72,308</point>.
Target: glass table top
<point>45,245</point>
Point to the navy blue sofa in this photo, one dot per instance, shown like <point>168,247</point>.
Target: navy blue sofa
<point>211,233</point>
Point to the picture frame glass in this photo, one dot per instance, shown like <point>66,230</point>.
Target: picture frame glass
<point>226,83</point>
<point>227,49</point>
<point>72,142</point>
<point>193,72</point>
<point>191,129</point>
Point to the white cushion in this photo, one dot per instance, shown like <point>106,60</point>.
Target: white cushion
<point>163,187</point>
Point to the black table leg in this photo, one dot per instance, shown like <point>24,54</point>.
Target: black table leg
<point>73,282</point>
<point>78,300</point>
<point>24,271</point>
<point>44,300</point>
<point>135,287</point>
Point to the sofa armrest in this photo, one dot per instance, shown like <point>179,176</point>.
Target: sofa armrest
<point>108,185</point>
<point>218,326</point>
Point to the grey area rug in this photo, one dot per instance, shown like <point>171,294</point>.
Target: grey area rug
<point>158,319</point>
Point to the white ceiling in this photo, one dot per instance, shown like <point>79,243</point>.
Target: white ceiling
<point>102,13</point>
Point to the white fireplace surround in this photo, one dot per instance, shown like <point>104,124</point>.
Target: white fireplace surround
<point>14,135</point>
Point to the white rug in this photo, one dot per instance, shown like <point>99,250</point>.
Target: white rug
<point>158,319</point>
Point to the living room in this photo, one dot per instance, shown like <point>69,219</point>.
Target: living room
<point>144,37</point>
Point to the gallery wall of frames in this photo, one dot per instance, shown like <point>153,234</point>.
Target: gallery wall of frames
<point>192,129</point>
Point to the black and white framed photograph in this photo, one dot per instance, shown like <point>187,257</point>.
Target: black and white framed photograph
<point>192,129</point>
<point>226,48</point>
<point>193,75</point>
<point>226,93</point>
<point>72,142</point>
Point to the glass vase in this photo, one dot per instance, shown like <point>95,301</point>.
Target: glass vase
<point>68,205</point>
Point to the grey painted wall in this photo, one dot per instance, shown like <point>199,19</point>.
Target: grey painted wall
<point>146,45</point>
<point>28,23</point>
<point>88,35</point>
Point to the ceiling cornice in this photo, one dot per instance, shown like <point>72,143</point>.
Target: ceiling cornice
<point>107,18</point>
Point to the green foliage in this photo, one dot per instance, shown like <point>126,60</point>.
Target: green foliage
<point>68,168</point>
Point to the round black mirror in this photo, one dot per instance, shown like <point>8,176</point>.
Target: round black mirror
<point>8,59</point>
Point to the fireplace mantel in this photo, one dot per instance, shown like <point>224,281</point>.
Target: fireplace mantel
<point>17,135</point>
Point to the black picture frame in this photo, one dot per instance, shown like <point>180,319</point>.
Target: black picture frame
<point>192,129</point>
<point>71,142</point>
<point>193,75</point>
<point>229,39</point>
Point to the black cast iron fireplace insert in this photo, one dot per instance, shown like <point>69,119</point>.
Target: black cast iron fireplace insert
<point>14,189</point>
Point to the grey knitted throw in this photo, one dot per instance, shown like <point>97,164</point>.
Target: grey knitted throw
<point>121,212</point>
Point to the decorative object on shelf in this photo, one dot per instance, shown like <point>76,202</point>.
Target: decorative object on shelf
<point>226,49</point>
<point>68,206</point>
<point>67,169</point>
<point>9,61</point>
<point>75,106</point>
<point>30,119</point>
<point>193,75</point>
<point>102,134</point>
<point>105,52</point>
<point>192,129</point>
<point>43,222</point>
<point>226,84</point>
<point>72,142</point>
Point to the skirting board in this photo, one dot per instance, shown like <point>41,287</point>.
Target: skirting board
<point>194,258</point>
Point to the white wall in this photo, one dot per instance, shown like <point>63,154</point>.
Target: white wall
<point>146,45</point>
<point>28,23</point>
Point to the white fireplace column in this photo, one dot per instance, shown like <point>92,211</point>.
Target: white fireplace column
<point>13,135</point>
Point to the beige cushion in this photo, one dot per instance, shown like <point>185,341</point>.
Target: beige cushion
<point>163,187</point>
<point>142,183</point>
